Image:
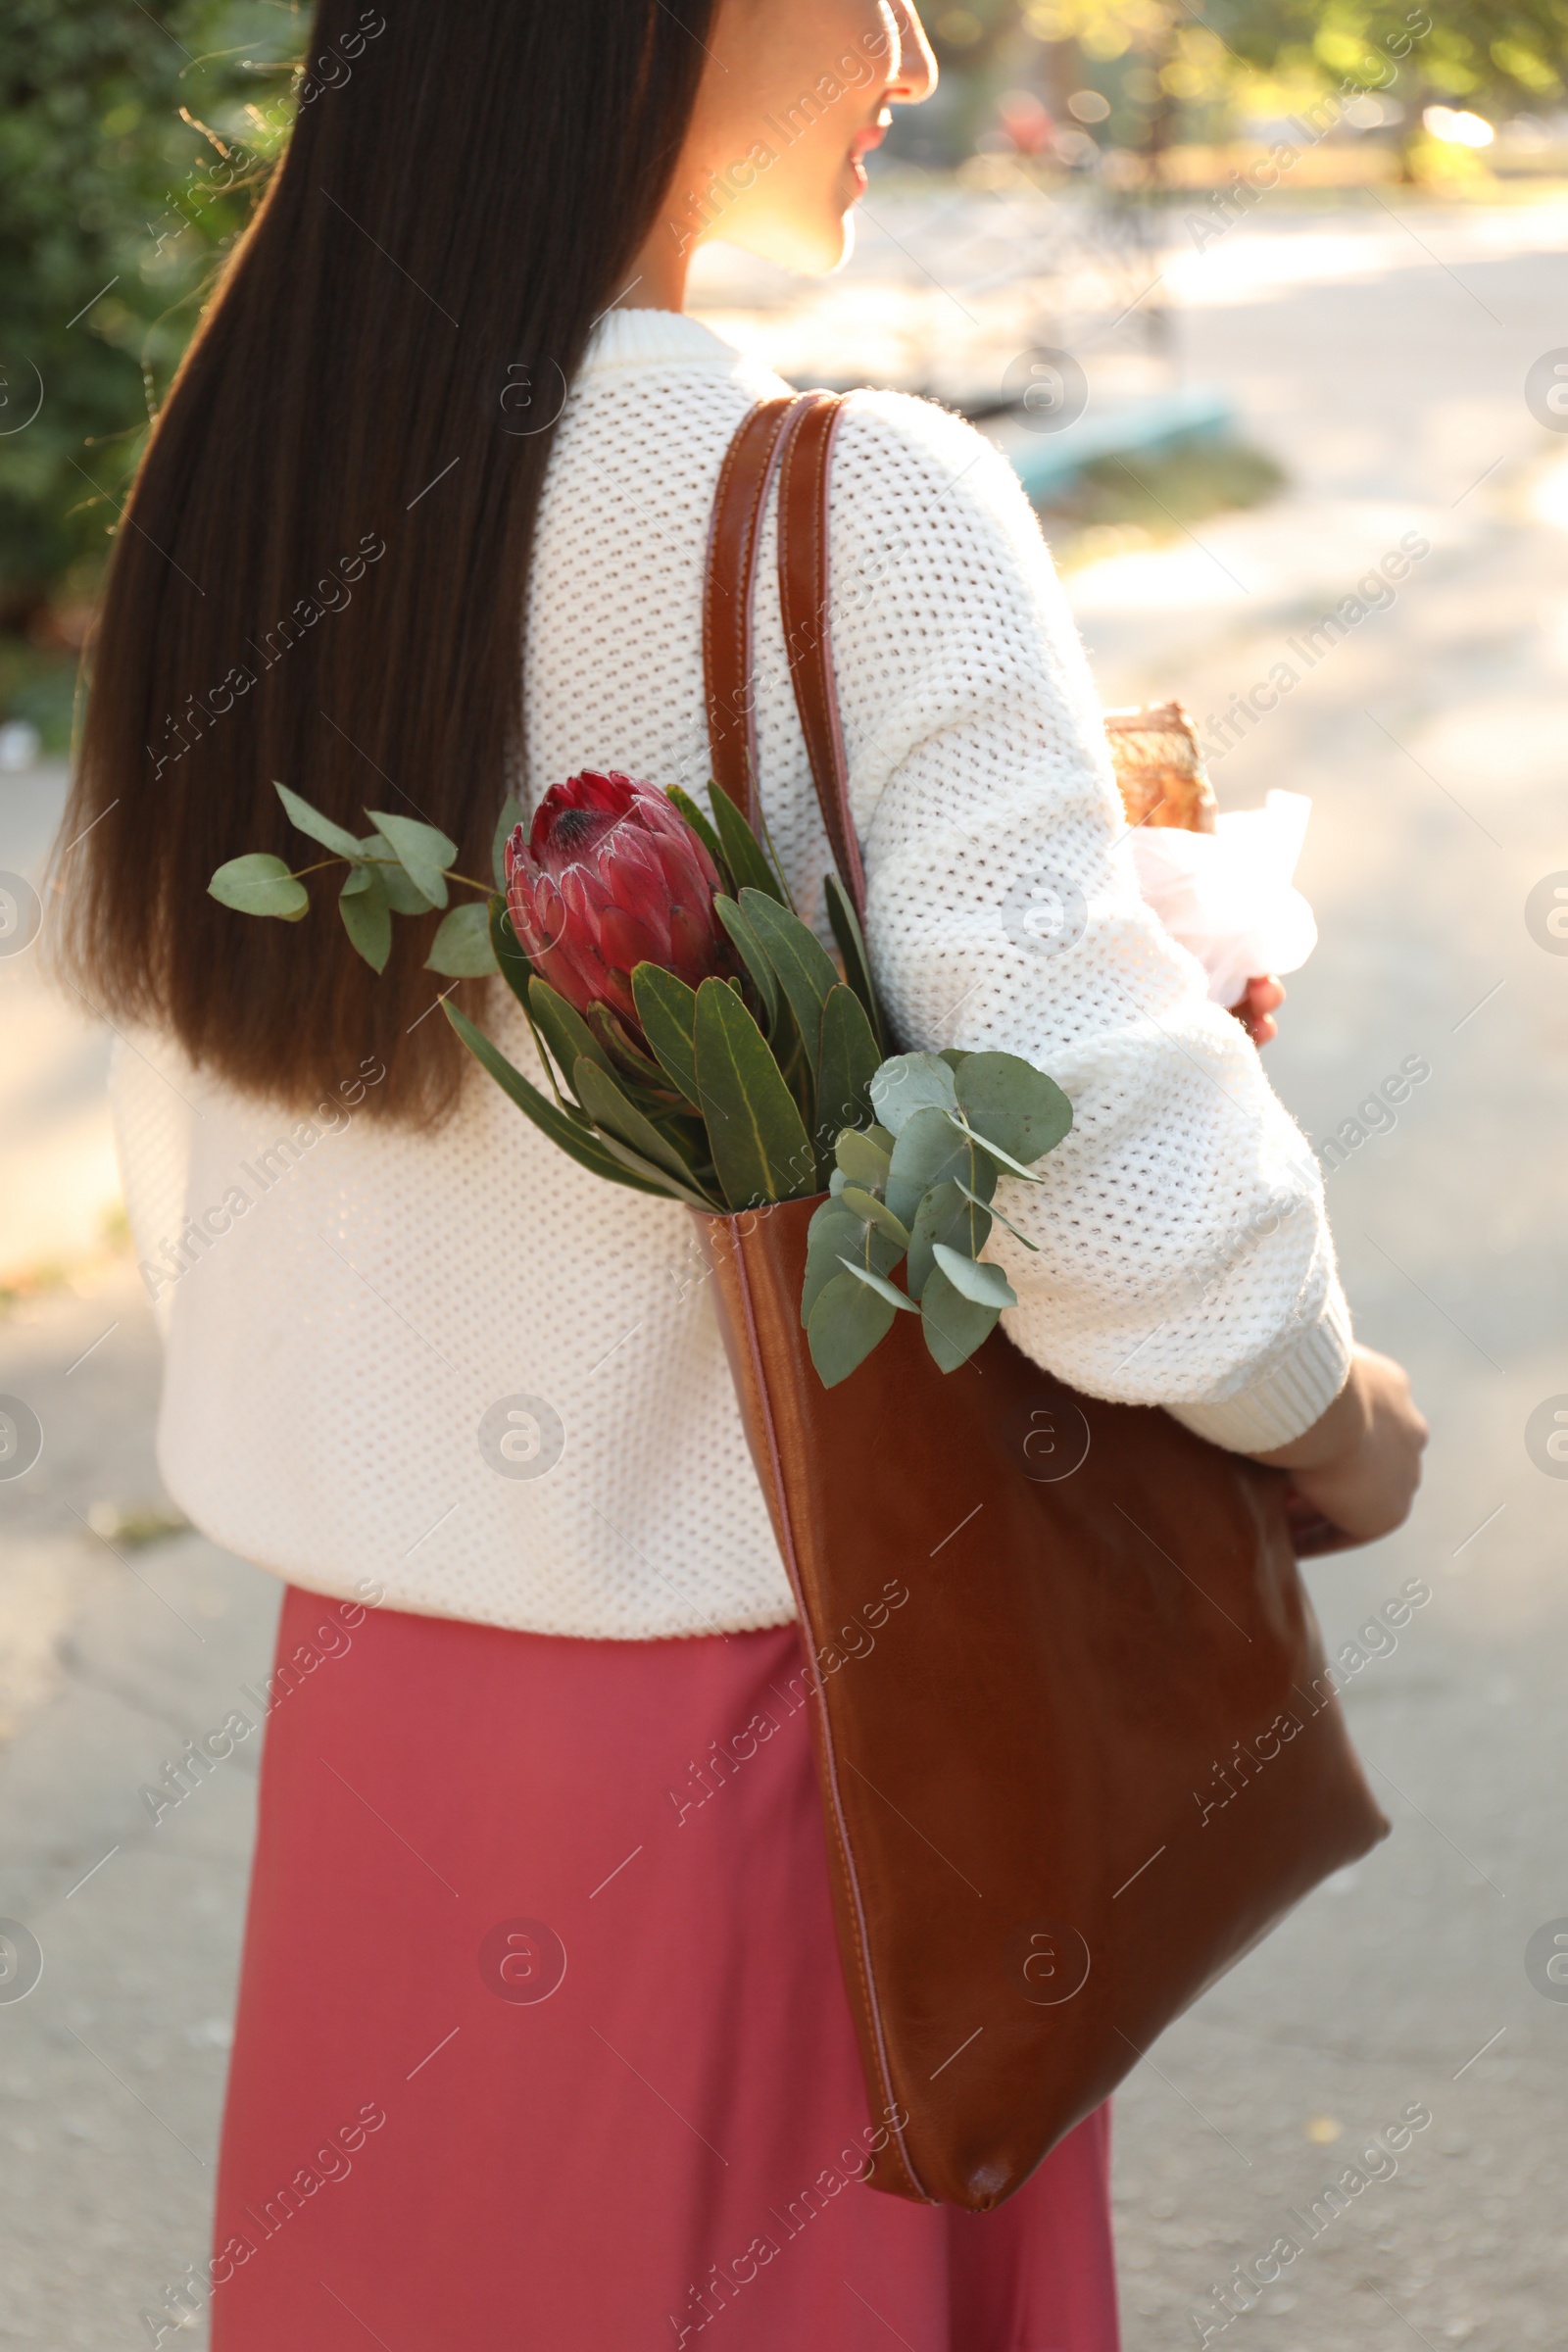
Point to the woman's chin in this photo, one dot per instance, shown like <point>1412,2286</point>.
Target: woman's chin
<point>817,251</point>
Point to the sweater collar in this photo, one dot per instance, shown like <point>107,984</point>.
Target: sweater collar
<point>643,338</point>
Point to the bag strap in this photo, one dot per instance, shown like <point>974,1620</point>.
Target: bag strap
<point>733,534</point>
<point>793,435</point>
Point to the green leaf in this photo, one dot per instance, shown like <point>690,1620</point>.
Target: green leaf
<point>847,1060</point>
<point>831,1232</point>
<point>880,1284</point>
<point>507,823</point>
<point>953,1326</point>
<point>259,884</point>
<point>738,924</point>
<point>401,894</point>
<point>930,1151</point>
<point>845,928</point>
<point>875,1212</point>
<point>951,1213</point>
<point>862,1158</point>
<point>668,1011</point>
<point>994,1152</point>
<point>985,1284</point>
<point>804,966</point>
<point>701,825</point>
<point>672,1185</point>
<point>833,1235</point>
<point>510,962</point>
<point>367,918</point>
<point>1012,1105</point>
<point>627,1061</point>
<point>908,1084</point>
<point>578,1143</point>
<point>461,949</point>
<point>563,1029</point>
<point>1016,1231</point>
<point>422,852</point>
<point>306,819</point>
<point>608,1108</point>
<point>847,1322</point>
<point>761,1148</point>
<point>358,878</point>
<point>744,854</point>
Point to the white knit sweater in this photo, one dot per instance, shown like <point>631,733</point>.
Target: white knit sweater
<point>465,1368</point>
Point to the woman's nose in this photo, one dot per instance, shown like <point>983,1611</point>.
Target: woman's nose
<point>917,76</point>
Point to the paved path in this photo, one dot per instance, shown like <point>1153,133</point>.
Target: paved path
<point>1430,739</point>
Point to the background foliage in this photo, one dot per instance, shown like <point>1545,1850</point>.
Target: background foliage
<point>114,216</point>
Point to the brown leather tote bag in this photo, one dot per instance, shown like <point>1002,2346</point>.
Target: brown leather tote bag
<point>1076,1745</point>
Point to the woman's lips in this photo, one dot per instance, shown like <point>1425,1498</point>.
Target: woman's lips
<point>860,147</point>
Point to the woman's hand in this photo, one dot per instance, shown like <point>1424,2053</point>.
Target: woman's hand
<point>1361,1464</point>
<point>1255,1009</point>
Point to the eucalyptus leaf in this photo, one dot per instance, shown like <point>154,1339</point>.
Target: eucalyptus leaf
<point>507,823</point>
<point>881,1284</point>
<point>400,894</point>
<point>953,1326</point>
<point>829,1217</point>
<point>1016,1231</point>
<point>668,1011</point>
<point>986,1285</point>
<point>357,878</point>
<point>367,918</point>
<point>259,884</point>
<point>994,1152</point>
<point>760,1148</point>
<point>461,949</point>
<point>306,819</point>
<point>832,1232</point>
<point>846,1066</point>
<point>845,928</point>
<point>805,969</point>
<point>875,1212</point>
<point>564,1030</point>
<point>1011,1103</point>
<point>422,851</point>
<point>744,854</point>
<point>862,1159</point>
<point>908,1084</point>
<point>847,1321</point>
<point>577,1142</point>
<point>930,1151</point>
<point>738,923</point>
<point>951,1213</point>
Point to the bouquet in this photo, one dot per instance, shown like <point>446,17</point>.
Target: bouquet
<point>700,1043</point>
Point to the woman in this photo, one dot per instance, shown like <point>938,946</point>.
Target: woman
<point>540,2037</point>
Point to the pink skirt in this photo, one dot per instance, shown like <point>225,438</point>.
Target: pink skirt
<point>541,2037</point>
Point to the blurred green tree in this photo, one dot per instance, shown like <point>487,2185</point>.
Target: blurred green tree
<point>121,188</point>
<point>1496,54</point>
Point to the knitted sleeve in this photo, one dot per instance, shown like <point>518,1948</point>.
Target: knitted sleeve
<point>1182,1254</point>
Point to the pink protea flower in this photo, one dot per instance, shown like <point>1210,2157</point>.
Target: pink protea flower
<point>610,875</point>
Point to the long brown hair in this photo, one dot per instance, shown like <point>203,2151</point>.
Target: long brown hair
<point>322,571</point>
